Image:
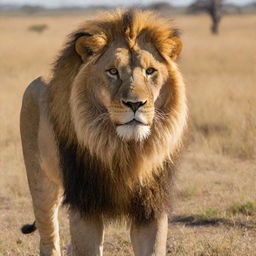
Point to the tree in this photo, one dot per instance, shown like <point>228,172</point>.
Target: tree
<point>213,7</point>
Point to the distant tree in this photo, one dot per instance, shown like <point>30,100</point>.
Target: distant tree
<point>160,6</point>
<point>213,7</point>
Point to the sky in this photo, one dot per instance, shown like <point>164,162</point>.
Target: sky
<point>57,3</point>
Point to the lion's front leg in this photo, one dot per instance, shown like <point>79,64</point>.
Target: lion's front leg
<point>150,239</point>
<point>87,235</point>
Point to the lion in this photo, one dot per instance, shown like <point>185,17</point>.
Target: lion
<point>103,134</point>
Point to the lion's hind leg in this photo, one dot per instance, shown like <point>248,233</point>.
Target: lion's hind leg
<point>46,200</point>
<point>46,193</point>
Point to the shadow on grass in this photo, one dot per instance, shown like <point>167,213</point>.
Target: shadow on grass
<point>198,220</point>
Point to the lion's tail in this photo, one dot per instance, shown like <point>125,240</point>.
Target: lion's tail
<point>28,228</point>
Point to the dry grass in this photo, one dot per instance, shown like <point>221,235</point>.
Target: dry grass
<point>222,71</point>
<point>215,206</point>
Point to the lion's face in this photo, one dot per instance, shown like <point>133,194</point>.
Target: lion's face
<point>128,83</point>
<point>125,76</point>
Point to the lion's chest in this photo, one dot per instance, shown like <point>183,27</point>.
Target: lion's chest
<point>92,189</point>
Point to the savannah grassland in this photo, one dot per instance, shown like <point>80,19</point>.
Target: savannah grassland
<point>215,200</point>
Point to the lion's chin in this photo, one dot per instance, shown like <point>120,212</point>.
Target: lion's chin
<point>137,132</point>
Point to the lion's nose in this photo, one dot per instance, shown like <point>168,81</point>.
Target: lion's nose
<point>134,105</point>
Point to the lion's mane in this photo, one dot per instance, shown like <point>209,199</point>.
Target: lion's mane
<point>101,173</point>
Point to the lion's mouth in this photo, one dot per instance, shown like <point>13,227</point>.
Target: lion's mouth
<point>133,122</point>
<point>133,130</point>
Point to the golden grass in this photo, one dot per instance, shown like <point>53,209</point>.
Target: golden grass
<point>214,212</point>
<point>221,84</point>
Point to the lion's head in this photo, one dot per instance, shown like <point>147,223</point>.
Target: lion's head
<point>120,92</point>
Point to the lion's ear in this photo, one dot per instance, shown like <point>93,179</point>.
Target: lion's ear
<point>170,45</point>
<point>173,47</point>
<point>176,47</point>
<point>87,44</point>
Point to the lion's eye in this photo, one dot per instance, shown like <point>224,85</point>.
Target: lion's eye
<point>112,71</point>
<point>150,71</point>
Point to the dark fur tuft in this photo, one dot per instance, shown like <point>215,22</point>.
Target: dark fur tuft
<point>28,228</point>
<point>90,188</point>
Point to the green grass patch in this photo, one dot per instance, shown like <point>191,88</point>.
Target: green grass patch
<point>210,213</point>
<point>248,208</point>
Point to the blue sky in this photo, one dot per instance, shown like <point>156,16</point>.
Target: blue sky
<point>56,3</point>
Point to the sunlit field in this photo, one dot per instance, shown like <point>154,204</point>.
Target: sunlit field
<point>214,212</point>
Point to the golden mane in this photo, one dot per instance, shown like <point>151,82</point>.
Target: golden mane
<point>131,160</point>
